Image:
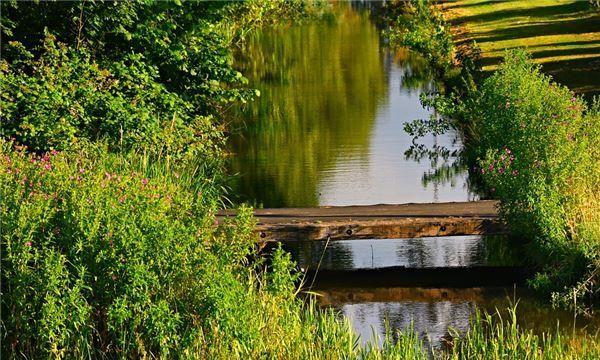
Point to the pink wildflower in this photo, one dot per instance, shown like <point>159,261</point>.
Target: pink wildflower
<point>144,181</point>
<point>28,244</point>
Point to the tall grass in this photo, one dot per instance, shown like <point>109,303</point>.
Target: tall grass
<point>104,256</point>
<point>492,336</point>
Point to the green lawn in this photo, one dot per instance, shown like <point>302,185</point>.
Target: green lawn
<point>563,35</point>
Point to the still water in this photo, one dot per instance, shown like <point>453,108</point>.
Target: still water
<point>328,130</point>
<point>433,285</point>
<point>432,252</point>
<point>328,126</point>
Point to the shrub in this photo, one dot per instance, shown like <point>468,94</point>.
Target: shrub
<point>99,257</point>
<point>111,256</point>
<point>422,28</point>
<point>64,97</point>
<point>537,144</point>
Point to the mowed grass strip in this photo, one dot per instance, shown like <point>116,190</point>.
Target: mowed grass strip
<point>563,35</point>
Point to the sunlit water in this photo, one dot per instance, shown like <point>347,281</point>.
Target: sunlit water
<point>328,126</point>
<point>433,252</point>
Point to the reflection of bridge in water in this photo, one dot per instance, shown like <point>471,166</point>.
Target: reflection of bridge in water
<point>377,221</point>
<point>430,273</point>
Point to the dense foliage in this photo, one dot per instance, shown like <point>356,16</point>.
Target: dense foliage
<point>110,179</point>
<point>100,257</point>
<point>107,256</point>
<point>419,26</point>
<point>537,143</point>
<point>534,145</point>
<point>141,74</point>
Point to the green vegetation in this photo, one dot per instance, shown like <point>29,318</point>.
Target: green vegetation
<point>107,256</point>
<point>534,143</point>
<point>111,175</point>
<point>498,337</point>
<point>563,35</point>
<point>537,144</point>
<point>419,26</point>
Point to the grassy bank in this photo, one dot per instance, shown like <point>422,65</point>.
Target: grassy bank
<point>563,35</point>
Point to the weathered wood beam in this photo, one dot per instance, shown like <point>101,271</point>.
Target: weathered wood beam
<point>377,221</point>
<point>379,229</point>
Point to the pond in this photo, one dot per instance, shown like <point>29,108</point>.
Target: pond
<point>328,130</point>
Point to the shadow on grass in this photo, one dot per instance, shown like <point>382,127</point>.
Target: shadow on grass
<point>586,43</point>
<point>550,53</point>
<point>568,22</point>
<point>577,9</point>
<point>455,5</point>
<point>576,74</point>
<point>567,27</point>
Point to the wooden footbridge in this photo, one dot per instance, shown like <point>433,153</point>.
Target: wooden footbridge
<point>377,221</point>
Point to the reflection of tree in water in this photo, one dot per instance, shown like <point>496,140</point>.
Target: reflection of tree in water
<point>446,164</point>
<point>320,86</point>
<point>416,73</point>
<point>418,253</point>
<point>337,255</point>
<point>442,252</point>
<point>430,320</point>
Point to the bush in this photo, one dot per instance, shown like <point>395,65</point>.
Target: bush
<point>104,256</point>
<point>422,28</point>
<point>537,144</point>
<point>63,97</point>
<point>98,257</point>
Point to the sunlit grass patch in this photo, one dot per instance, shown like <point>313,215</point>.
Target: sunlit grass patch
<point>557,33</point>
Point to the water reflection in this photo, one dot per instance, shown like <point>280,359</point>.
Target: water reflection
<point>328,128</point>
<point>432,312</point>
<point>431,320</point>
<point>434,252</point>
<point>321,84</point>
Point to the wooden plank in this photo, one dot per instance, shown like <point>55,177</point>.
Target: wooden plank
<point>377,221</point>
